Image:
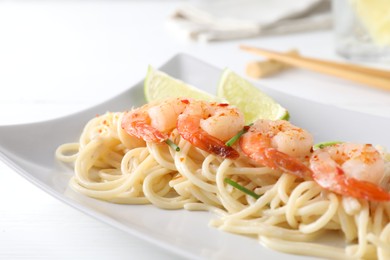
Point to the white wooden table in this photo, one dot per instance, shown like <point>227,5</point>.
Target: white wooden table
<point>57,58</point>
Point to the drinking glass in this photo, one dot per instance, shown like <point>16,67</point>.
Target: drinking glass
<point>362,29</point>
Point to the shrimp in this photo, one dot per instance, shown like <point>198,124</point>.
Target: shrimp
<point>207,125</point>
<point>278,145</point>
<point>348,169</point>
<point>154,121</point>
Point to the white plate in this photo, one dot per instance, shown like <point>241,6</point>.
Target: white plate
<point>29,149</point>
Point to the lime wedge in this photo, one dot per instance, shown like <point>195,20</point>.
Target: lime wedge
<point>249,99</point>
<point>159,85</point>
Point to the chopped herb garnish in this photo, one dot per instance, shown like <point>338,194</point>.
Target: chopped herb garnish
<point>234,139</point>
<point>241,188</point>
<point>325,144</point>
<point>286,116</point>
<point>172,145</point>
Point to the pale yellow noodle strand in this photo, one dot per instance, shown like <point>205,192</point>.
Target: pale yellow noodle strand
<point>384,250</point>
<point>284,186</point>
<point>107,175</point>
<point>159,155</point>
<point>82,174</point>
<point>203,207</point>
<point>274,211</point>
<point>303,248</point>
<point>257,171</point>
<point>162,202</point>
<point>63,150</point>
<point>86,159</point>
<point>250,227</point>
<point>183,167</point>
<point>292,204</point>
<point>275,202</point>
<point>183,188</point>
<point>362,222</point>
<point>378,218</point>
<point>256,207</point>
<point>369,253</point>
<point>206,168</point>
<point>276,220</point>
<point>130,200</point>
<point>313,209</point>
<point>111,158</point>
<point>161,185</point>
<point>96,194</point>
<point>311,195</point>
<point>378,244</point>
<point>226,197</point>
<point>127,183</point>
<point>347,224</point>
<point>325,216</point>
<point>204,196</point>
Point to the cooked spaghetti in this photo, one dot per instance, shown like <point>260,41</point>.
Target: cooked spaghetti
<point>288,213</point>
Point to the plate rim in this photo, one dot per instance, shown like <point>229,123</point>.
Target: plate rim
<point>98,215</point>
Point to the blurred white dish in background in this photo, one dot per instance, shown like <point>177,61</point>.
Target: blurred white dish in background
<point>224,20</point>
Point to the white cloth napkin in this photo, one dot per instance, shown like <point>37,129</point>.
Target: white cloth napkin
<point>232,19</point>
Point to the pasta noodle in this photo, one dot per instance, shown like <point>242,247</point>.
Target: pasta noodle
<point>291,214</point>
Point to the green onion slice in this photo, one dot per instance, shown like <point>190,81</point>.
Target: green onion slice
<point>241,188</point>
<point>286,117</point>
<point>234,139</point>
<point>325,144</point>
<point>172,145</point>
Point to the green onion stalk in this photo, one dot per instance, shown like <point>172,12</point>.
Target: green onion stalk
<point>234,139</point>
<point>172,145</point>
<point>242,188</point>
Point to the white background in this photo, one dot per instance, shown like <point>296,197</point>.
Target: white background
<point>59,57</point>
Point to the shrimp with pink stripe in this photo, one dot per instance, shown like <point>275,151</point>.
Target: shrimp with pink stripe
<point>206,125</point>
<point>278,145</point>
<point>353,170</point>
<point>153,122</point>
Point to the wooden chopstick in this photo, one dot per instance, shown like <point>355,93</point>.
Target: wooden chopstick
<point>373,77</point>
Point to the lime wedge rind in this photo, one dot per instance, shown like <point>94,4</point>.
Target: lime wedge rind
<point>249,99</point>
<point>159,85</point>
<point>232,88</point>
